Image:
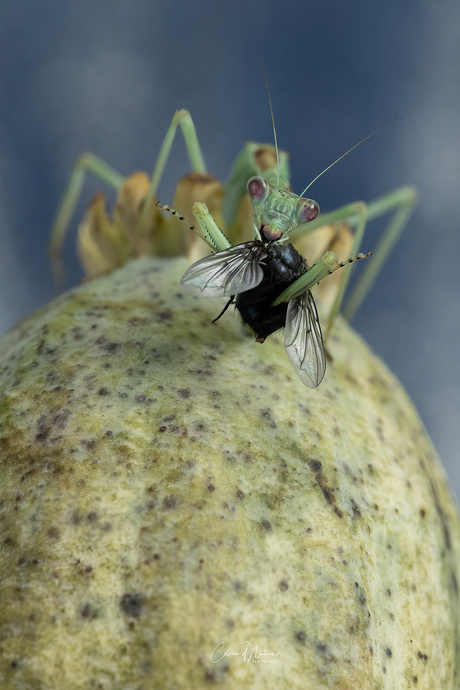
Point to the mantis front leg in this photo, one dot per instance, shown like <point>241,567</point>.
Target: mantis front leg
<point>212,234</point>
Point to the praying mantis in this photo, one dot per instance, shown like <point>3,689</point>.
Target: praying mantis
<point>249,273</point>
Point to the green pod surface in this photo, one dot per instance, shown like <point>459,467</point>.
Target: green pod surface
<point>178,510</point>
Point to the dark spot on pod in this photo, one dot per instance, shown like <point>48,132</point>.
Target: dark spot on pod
<point>184,393</point>
<point>111,348</point>
<point>415,680</point>
<point>89,611</point>
<point>361,595</point>
<point>165,315</point>
<point>422,512</point>
<point>328,495</point>
<point>389,592</point>
<point>283,585</point>
<point>240,494</point>
<point>315,465</point>
<point>388,652</point>
<point>132,603</point>
<point>321,648</point>
<point>211,487</point>
<point>53,533</point>
<point>355,508</point>
<point>422,656</point>
<point>301,636</point>
<point>170,502</point>
<point>268,419</point>
<point>266,525</point>
<point>210,675</point>
<point>141,398</point>
<point>103,391</point>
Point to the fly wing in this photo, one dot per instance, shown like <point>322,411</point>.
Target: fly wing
<point>304,341</point>
<point>229,272</point>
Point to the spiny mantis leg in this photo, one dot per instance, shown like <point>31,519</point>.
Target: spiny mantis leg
<point>321,269</point>
<point>401,202</point>
<point>90,163</point>
<point>210,231</point>
<point>212,234</point>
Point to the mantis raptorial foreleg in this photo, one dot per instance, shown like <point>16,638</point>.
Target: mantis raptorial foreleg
<point>212,234</point>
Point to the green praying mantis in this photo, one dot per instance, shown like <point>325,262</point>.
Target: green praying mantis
<point>267,280</point>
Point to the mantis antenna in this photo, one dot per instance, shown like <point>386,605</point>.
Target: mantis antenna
<point>272,116</point>
<point>349,150</point>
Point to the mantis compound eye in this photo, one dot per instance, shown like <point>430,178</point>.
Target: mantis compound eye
<point>307,210</point>
<point>258,188</point>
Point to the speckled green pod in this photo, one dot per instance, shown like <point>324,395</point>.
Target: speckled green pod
<point>173,496</point>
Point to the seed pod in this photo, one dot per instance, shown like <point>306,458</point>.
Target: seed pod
<point>171,491</point>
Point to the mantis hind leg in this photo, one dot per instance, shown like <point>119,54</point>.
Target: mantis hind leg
<point>85,163</point>
<point>90,163</point>
<point>400,203</point>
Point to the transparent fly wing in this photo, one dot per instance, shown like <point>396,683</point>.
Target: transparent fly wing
<point>229,272</point>
<point>304,341</point>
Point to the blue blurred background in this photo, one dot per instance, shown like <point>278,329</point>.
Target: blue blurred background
<point>106,76</point>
